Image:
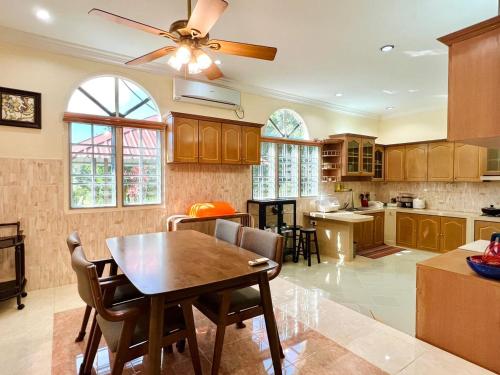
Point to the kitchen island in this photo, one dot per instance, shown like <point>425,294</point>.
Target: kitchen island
<point>458,310</point>
<point>336,232</point>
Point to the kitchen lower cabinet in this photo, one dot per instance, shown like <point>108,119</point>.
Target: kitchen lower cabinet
<point>370,233</point>
<point>406,230</point>
<point>440,161</point>
<point>484,229</point>
<point>428,232</point>
<point>395,163</point>
<point>209,134</point>
<point>416,162</point>
<point>453,231</point>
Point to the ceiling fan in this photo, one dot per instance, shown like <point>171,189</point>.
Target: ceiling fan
<point>191,37</point>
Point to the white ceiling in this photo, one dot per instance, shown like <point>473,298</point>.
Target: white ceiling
<point>324,46</point>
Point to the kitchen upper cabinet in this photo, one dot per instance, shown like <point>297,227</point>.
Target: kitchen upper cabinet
<point>406,230</point>
<point>208,140</point>
<point>473,84</point>
<point>395,163</point>
<point>484,229</point>
<point>183,140</point>
<point>492,162</point>
<point>209,134</point>
<point>440,161</point>
<point>428,232</point>
<point>453,232</point>
<point>353,156</point>
<point>250,149</point>
<point>468,163</point>
<point>378,163</point>
<point>231,144</point>
<point>416,162</point>
<point>367,156</point>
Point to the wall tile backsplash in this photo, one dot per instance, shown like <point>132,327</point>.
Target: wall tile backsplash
<point>459,196</point>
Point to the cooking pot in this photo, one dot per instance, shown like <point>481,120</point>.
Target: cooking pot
<point>491,210</point>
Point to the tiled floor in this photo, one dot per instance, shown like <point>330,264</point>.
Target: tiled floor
<point>383,289</point>
<point>26,337</point>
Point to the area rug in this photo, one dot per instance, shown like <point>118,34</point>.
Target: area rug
<point>246,351</point>
<point>379,251</point>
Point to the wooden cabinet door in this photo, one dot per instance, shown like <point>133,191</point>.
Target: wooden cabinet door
<point>428,232</point>
<point>484,229</point>
<point>378,229</point>
<point>467,163</point>
<point>395,163</point>
<point>367,234</point>
<point>367,156</point>
<point>185,140</point>
<point>250,145</point>
<point>378,164</point>
<point>352,156</point>
<point>440,161</point>
<point>406,230</point>
<point>209,134</point>
<point>453,231</point>
<point>231,144</point>
<point>416,162</point>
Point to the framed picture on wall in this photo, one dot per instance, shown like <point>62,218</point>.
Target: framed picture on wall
<point>20,108</point>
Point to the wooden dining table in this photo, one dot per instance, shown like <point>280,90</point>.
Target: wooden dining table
<point>176,266</point>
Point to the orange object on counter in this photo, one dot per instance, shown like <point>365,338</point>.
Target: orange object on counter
<point>210,209</point>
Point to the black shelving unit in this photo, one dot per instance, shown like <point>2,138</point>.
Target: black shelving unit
<point>14,288</point>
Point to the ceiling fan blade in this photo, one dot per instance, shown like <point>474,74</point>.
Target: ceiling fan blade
<point>213,72</point>
<point>128,22</point>
<point>205,15</point>
<point>243,49</point>
<point>152,56</point>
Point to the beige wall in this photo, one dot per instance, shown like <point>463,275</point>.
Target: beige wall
<point>414,127</point>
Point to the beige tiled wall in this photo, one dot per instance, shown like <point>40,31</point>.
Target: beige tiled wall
<point>459,196</point>
<point>33,191</point>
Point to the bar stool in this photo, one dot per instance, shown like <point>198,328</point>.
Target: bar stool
<point>295,236</point>
<point>307,235</point>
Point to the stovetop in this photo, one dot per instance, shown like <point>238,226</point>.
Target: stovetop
<point>483,214</point>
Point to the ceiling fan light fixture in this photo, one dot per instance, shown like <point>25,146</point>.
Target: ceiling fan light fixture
<point>183,54</point>
<point>193,67</point>
<point>174,63</point>
<point>203,60</point>
<point>387,48</point>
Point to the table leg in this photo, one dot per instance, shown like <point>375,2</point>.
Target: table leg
<point>272,331</point>
<point>155,334</point>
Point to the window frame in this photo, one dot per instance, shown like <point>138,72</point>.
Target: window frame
<point>118,123</point>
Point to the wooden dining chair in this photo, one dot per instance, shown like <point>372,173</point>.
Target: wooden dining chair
<point>235,305</point>
<point>228,231</point>
<point>123,292</point>
<point>125,326</point>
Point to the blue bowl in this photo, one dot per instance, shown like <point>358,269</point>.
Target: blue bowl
<point>491,272</point>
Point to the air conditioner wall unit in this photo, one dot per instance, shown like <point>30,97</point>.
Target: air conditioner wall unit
<point>206,94</point>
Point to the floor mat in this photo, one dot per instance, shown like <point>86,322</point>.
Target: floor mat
<point>379,251</point>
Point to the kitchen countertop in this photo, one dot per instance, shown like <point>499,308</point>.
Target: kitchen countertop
<point>344,216</point>
<point>426,211</point>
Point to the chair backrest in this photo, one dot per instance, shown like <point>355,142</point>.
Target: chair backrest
<point>73,241</point>
<point>267,244</point>
<point>82,266</point>
<point>495,237</point>
<point>228,231</point>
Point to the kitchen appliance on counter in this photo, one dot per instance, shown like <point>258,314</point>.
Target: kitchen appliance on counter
<point>327,204</point>
<point>492,210</point>
<point>419,203</point>
<point>405,200</point>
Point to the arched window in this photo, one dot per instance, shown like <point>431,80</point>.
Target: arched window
<point>285,123</point>
<point>286,169</point>
<point>115,97</point>
<point>96,179</point>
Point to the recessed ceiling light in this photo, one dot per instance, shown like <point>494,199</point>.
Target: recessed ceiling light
<point>43,15</point>
<point>217,62</point>
<point>389,92</point>
<point>339,94</point>
<point>387,48</point>
<point>389,108</point>
<point>412,90</point>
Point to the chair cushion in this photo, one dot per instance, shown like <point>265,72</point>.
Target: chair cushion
<point>241,299</point>
<point>173,321</point>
